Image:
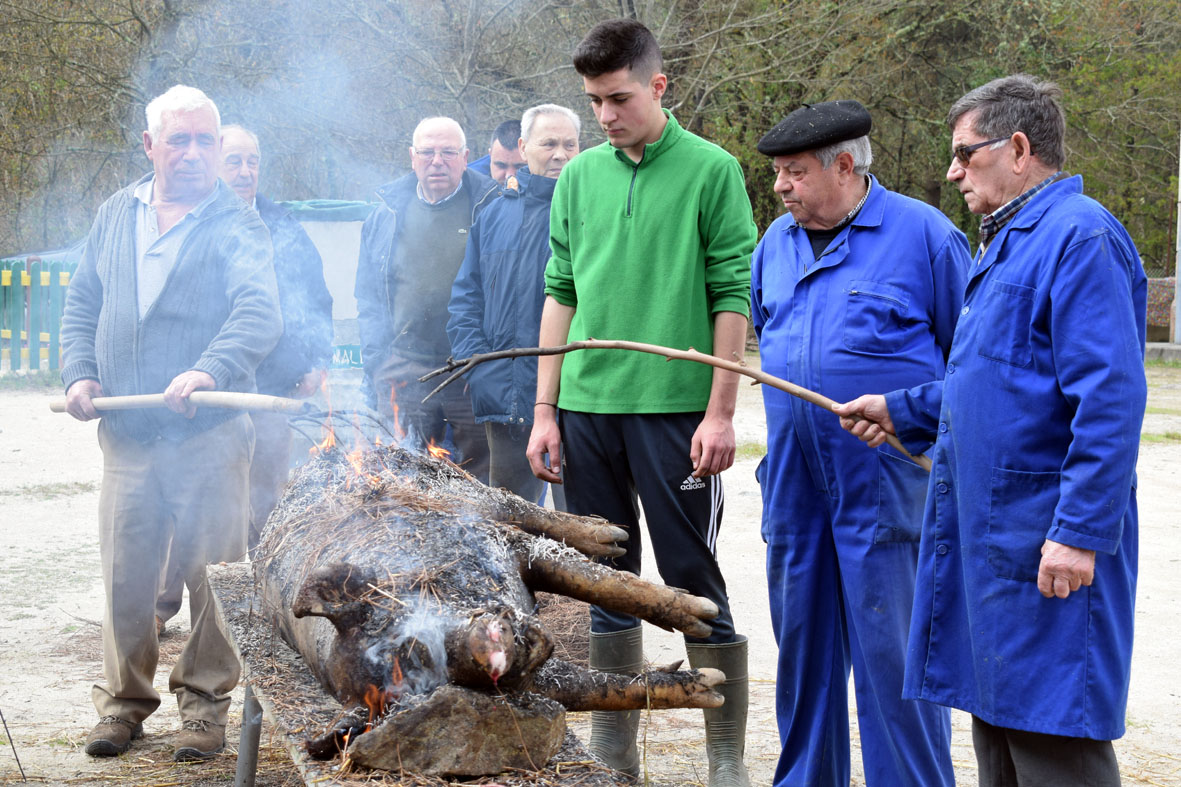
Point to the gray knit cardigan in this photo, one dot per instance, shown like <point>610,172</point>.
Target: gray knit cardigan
<point>218,313</point>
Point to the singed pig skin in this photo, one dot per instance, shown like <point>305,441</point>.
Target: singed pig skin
<point>393,572</point>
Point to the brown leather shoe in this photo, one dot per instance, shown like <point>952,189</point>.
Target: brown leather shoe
<point>199,740</point>
<point>112,736</point>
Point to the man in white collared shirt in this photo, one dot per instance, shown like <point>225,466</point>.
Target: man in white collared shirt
<point>175,293</point>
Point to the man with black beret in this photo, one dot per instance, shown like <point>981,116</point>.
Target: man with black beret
<point>857,287</point>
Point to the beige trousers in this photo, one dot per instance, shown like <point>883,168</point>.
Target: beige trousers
<point>196,492</point>
<point>269,470</point>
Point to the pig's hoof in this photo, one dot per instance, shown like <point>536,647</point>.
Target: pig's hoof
<point>711,677</point>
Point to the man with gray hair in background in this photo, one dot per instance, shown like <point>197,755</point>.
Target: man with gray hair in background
<point>1025,605</point>
<point>299,362</point>
<point>411,248</point>
<point>175,293</point>
<point>497,297</point>
<point>856,286</point>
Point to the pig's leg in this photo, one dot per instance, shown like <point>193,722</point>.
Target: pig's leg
<point>589,535</point>
<point>334,591</point>
<point>570,574</point>
<point>581,689</point>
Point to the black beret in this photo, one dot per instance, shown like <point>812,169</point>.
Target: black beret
<point>815,126</point>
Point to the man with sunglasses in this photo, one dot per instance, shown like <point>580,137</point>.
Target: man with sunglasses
<point>857,285</point>
<point>411,248</point>
<point>1027,568</point>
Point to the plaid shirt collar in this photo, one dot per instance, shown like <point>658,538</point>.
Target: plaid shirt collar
<point>991,224</point>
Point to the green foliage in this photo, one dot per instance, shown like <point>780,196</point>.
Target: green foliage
<point>1119,65</point>
<point>50,490</point>
<point>750,449</point>
<point>335,87</point>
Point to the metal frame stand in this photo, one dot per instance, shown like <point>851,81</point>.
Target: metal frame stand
<point>248,744</point>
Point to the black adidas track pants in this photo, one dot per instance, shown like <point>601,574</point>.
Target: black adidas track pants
<point>610,460</point>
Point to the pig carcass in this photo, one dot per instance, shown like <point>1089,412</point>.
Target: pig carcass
<point>402,581</point>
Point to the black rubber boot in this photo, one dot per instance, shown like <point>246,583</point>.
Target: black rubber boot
<point>725,727</point>
<point>613,733</point>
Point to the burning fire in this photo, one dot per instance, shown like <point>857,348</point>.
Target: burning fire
<point>327,444</point>
<point>399,432</point>
<point>329,441</point>
<point>378,700</point>
<point>438,451</point>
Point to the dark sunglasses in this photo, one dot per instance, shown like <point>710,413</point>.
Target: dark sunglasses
<point>963,153</point>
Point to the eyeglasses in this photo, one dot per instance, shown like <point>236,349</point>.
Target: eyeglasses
<point>963,153</point>
<point>428,155</point>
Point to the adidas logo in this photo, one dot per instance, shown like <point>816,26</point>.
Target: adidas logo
<point>690,483</point>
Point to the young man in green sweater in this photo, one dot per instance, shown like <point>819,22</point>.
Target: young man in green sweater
<point>651,237</point>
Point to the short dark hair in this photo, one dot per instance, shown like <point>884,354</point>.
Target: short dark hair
<point>616,44</point>
<point>1018,103</point>
<point>507,134</point>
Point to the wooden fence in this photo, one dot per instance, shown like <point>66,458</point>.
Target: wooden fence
<point>32,296</point>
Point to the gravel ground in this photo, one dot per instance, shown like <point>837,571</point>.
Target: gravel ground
<point>51,589</point>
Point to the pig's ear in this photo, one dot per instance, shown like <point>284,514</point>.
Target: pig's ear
<point>335,591</point>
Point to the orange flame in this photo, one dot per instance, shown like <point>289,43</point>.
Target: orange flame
<point>378,700</point>
<point>329,441</point>
<point>399,432</point>
<point>327,444</point>
<point>438,451</point>
<point>396,673</point>
<point>374,701</point>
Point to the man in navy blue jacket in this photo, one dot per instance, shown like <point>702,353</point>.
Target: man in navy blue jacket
<point>497,297</point>
<point>296,366</point>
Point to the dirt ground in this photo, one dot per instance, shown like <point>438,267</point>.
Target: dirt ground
<point>51,602</point>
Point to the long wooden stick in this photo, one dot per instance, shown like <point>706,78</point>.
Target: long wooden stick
<point>229,400</point>
<point>458,368</point>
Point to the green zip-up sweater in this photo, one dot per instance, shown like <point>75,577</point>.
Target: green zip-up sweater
<point>648,252</point>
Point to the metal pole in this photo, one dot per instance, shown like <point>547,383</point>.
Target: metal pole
<point>1176,337</point>
<point>12,743</point>
<point>248,743</point>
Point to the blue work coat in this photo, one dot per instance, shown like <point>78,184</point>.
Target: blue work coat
<point>876,312</point>
<point>497,297</point>
<point>1038,426</point>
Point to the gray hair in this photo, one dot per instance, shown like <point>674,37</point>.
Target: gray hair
<point>242,129</point>
<point>441,120</point>
<point>178,98</point>
<point>858,148</point>
<point>532,113</point>
<point>1018,103</point>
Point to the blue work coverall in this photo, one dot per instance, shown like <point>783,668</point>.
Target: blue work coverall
<point>874,313</point>
<point>1038,425</point>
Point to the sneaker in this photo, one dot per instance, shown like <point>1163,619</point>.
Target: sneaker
<point>199,740</point>
<point>112,736</point>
